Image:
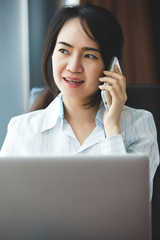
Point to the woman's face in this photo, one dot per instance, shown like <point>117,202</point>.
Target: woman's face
<point>77,62</point>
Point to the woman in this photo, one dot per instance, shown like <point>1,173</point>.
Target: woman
<point>71,118</point>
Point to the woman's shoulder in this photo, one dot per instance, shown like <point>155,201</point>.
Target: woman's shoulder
<point>31,119</point>
<point>136,112</point>
<point>134,116</point>
<point>35,118</point>
<point>137,120</point>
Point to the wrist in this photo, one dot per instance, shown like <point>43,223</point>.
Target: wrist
<point>112,131</point>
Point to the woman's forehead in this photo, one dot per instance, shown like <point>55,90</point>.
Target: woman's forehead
<point>73,32</point>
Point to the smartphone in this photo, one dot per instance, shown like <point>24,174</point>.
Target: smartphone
<point>103,92</point>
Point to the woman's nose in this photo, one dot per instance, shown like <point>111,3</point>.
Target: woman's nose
<point>74,64</point>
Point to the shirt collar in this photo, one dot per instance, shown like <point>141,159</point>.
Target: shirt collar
<point>100,114</point>
<point>52,113</point>
<point>55,111</point>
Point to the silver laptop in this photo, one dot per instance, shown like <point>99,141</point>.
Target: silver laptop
<point>75,198</point>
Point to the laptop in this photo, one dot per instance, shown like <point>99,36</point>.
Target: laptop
<point>80,198</point>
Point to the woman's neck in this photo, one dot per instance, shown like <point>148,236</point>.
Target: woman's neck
<point>76,111</point>
<point>81,118</point>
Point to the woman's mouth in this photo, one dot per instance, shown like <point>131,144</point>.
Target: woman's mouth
<point>73,81</point>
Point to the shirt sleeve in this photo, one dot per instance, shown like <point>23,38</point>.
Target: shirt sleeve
<point>141,137</point>
<point>113,145</point>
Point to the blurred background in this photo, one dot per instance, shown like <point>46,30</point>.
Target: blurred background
<point>23,26</point>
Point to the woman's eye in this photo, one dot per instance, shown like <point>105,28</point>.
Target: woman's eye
<point>90,56</point>
<point>64,51</point>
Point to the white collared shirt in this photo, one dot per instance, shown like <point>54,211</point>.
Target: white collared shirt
<point>46,132</point>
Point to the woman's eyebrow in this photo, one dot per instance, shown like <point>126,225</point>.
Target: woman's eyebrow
<point>84,48</point>
<point>66,44</point>
<point>91,49</point>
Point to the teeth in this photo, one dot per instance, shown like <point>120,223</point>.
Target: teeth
<point>74,82</point>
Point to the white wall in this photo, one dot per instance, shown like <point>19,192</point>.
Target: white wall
<point>14,67</point>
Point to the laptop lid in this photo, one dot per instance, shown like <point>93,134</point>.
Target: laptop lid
<point>87,197</point>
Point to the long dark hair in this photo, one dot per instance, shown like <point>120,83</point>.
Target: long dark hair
<point>105,29</point>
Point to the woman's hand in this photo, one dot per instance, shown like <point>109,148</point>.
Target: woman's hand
<point>116,93</point>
